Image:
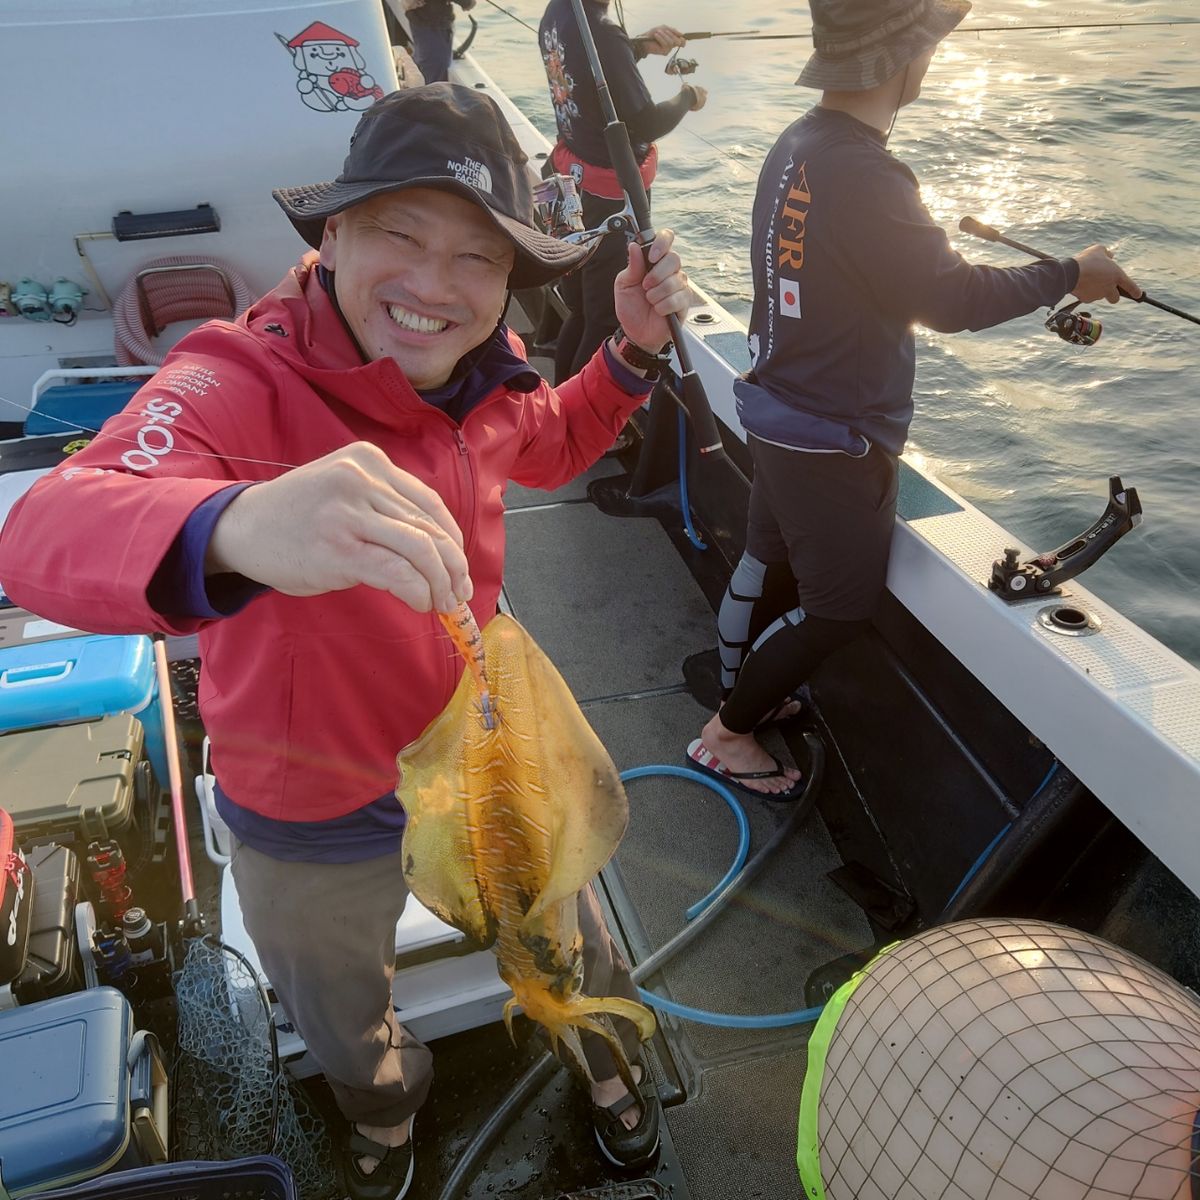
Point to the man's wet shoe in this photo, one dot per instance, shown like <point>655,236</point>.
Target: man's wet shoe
<point>629,1148</point>
<point>392,1176</point>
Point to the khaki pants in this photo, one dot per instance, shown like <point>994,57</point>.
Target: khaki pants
<point>325,935</point>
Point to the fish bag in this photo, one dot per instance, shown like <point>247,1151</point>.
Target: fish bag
<point>16,903</point>
<point>513,808</point>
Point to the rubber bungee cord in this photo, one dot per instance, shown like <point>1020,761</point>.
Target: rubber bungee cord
<point>684,505</point>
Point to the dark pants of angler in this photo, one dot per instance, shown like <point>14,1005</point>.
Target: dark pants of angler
<point>325,934</point>
<point>588,293</point>
<point>824,522</point>
<point>432,28</point>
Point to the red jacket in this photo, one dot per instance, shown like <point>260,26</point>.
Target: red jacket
<point>307,700</point>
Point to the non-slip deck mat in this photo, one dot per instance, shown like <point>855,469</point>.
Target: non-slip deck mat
<point>756,955</point>
<point>516,496</point>
<point>607,599</point>
<point>736,1140</point>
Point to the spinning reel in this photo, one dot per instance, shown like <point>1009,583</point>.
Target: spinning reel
<point>680,66</point>
<point>1080,329</point>
<point>558,212</point>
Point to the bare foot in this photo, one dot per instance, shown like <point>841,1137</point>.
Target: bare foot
<point>385,1135</point>
<point>608,1091</point>
<point>741,752</point>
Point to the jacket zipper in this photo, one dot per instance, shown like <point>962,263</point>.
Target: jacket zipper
<point>467,483</point>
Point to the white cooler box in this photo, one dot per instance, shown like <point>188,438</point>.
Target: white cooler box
<point>442,986</point>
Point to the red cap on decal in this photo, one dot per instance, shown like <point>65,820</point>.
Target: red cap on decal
<point>318,31</point>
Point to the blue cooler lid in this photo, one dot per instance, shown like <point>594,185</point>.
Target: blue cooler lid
<point>64,1102</point>
<point>74,679</point>
<point>80,406</point>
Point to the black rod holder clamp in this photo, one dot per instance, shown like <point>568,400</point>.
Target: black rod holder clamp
<point>1043,574</point>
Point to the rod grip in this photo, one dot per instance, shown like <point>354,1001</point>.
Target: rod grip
<point>978,229</point>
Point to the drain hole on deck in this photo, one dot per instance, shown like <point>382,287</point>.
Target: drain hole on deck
<point>1069,618</point>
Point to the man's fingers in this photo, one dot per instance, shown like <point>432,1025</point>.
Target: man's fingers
<point>1129,288</point>
<point>418,550</point>
<point>379,568</point>
<point>664,239</point>
<point>674,296</point>
<point>635,267</point>
<point>667,267</point>
<point>425,499</point>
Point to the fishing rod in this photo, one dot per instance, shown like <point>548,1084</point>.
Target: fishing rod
<point>620,150</point>
<point>988,234</point>
<point>754,35</point>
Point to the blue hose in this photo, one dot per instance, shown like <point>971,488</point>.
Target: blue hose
<point>727,1020</point>
<point>738,811</point>
<point>693,537</point>
<point>703,1016</point>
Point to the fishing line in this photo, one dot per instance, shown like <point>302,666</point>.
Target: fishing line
<point>507,13</point>
<point>751,35</point>
<point>76,427</point>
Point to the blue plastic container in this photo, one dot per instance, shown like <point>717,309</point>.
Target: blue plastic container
<point>80,679</point>
<point>79,406</point>
<point>261,1178</point>
<point>65,1107</point>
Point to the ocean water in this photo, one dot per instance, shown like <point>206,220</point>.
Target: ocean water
<point>1060,140</point>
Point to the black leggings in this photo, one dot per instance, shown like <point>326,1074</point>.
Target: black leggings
<point>588,293</point>
<point>818,536</point>
<point>786,654</point>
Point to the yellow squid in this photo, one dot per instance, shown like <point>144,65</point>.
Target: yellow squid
<point>513,808</point>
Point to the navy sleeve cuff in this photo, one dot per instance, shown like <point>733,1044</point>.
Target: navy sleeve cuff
<point>626,379</point>
<point>1071,270</point>
<point>180,587</point>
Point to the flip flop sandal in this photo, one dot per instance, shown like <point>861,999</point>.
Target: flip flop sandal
<point>628,1148</point>
<point>701,758</point>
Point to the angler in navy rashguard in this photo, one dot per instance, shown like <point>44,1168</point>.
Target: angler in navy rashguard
<point>846,260</point>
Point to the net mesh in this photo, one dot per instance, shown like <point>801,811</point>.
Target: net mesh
<point>232,1099</point>
<point>1007,1060</point>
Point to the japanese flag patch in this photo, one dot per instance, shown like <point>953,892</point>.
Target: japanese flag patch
<point>789,298</point>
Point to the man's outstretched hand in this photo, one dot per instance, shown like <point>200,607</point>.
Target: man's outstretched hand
<point>352,517</point>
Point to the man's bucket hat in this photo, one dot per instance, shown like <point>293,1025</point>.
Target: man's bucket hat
<point>447,137</point>
<point>861,43</point>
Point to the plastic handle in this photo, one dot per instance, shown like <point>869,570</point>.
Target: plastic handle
<point>39,673</point>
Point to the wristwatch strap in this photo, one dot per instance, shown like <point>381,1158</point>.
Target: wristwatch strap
<point>635,356</point>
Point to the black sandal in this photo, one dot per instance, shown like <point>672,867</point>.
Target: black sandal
<point>628,1148</point>
<point>390,1179</point>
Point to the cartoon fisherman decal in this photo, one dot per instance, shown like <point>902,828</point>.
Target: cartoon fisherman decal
<point>331,70</point>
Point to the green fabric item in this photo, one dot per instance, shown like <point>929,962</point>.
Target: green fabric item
<point>808,1147</point>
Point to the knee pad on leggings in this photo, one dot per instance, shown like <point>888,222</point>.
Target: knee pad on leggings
<point>733,619</point>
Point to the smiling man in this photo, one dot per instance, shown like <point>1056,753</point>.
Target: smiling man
<point>303,487</point>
